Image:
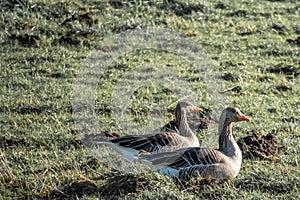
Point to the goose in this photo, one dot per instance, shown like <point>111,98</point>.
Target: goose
<point>196,123</point>
<point>222,163</point>
<point>131,145</point>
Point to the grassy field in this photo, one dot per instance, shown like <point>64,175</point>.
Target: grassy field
<point>254,45</point>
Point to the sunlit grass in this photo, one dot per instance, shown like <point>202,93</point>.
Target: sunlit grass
<point>42,155</point>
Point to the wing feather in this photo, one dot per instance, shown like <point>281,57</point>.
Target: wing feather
<point>148,143</point>
<point>183,158</point>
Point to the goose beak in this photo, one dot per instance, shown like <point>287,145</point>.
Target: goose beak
<point>196,109</point>
<point>242,117</point>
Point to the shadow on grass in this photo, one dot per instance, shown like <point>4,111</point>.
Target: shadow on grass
<point>116,185</point>
<point>5,143</point>
<point>75,189</point>
<point>198,184</point>
<point>284,69</point>
<point>27,40</point>
<point>119,185</point>
<point>123,184</point>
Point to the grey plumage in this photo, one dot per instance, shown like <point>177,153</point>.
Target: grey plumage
<point>224,162</point>
<point>131,145</point>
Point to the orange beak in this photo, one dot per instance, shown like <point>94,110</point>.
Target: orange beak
<point>242,117</point>
<point>196,109</point>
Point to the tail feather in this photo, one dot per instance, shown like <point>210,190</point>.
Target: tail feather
<point>169,171</point>
<point>92,139</point>
<point>127,153</point>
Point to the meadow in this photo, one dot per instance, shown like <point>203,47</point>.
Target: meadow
<point>254,45</point>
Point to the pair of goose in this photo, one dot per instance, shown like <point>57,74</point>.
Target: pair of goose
<point>178,154</point>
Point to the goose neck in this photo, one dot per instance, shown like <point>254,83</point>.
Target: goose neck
<point>184,127</point>
<point>227,144</point>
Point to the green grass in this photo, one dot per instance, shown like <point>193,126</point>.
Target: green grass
<point>42,155</point>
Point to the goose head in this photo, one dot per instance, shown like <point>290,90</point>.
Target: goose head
<point>226,139</point>
<point>229,115</point>
<point>184,107</point>
<point>232,114</point>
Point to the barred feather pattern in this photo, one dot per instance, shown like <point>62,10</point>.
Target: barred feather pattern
<point>152,143</point>
<point>222,163</point>
<point>197,156</point>
<point>205,171</point>
<point>201,162</point>
<point>164,141</point>
<point>189,162</point>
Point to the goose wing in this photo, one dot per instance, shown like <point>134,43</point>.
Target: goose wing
<point>184,157</point>
<point>186,163</point>
<point>149,143</point>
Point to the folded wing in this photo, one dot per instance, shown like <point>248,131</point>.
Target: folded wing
<point>187,162</point>
<point>157,142</point>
